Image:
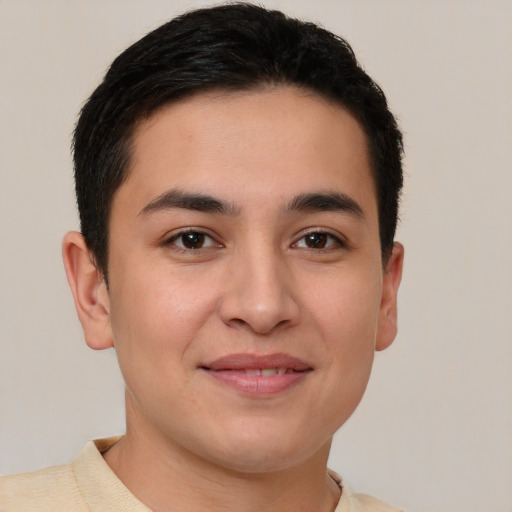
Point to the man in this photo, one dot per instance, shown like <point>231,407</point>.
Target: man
<point>237,177</point>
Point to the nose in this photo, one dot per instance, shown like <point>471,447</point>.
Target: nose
<point>259,294</point>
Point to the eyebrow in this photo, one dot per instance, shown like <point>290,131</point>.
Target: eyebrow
<point>189,201</point>
<point>307,202</point>
<point>325,202</point>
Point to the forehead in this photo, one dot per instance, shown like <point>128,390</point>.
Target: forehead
<point>262,142</point>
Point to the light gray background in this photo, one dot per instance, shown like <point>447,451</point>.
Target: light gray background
<point>434,431</point>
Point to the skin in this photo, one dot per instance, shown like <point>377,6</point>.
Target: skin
<point>255,284</point>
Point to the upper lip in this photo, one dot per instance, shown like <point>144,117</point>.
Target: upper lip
<point>244,361</point>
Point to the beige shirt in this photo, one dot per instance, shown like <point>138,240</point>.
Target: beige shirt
<point>89,485</point>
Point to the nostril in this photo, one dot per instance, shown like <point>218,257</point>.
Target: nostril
<point>238,321</point>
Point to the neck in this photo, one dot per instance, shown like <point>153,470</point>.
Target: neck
<point>168,478</point>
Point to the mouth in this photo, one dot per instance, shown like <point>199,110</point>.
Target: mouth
<point>258,375</point>
<point>266,372</point>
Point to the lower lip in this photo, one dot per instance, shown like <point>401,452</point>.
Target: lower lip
<point>258,385</point>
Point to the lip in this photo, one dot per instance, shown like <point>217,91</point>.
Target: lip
<point>230,371</point>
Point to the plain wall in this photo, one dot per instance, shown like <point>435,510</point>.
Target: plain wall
<point>434,430</point>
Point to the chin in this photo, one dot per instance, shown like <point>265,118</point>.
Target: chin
<point>268,453</point>
<point>260,461</point>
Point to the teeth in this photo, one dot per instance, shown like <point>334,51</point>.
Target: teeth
<point>269,372</point>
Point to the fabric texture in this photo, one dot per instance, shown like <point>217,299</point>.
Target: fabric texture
<point>89,485</point>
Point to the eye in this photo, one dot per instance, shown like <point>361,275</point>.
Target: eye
<point>192,240</point>
<point>318,240</point>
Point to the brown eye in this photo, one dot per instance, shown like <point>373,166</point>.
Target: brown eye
<point>318,240</point>
<point>192,240</point>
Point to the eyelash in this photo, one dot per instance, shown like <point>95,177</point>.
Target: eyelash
<point>332,241</point>
<point>335,241</point>
<point>190,231</point>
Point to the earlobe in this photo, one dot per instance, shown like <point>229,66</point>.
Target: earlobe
<point>388,327</point>
<point>89,291</point>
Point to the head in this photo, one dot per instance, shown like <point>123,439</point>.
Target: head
<point>236,47</point>
<point>238,178</point>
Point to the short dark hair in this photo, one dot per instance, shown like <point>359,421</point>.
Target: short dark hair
<point>229,47</point>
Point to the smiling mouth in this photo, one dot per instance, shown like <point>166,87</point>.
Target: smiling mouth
<point>266,372</point>
<point>258,375</point>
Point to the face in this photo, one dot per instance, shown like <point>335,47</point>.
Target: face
<point>246,289</point>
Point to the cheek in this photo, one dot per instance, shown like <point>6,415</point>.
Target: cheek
<point>349,331</point>
<point>345,313</point>
<point>156,316</point>
<point>155,325</point>
<point>345,308</point>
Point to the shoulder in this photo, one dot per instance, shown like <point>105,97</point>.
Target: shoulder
<point>357,502</point>
<point>52,489</point>
<point>87,484</point>
<point>371,504</point>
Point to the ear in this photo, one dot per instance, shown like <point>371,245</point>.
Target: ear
<point>89,290</point>
<point>388,307</point>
